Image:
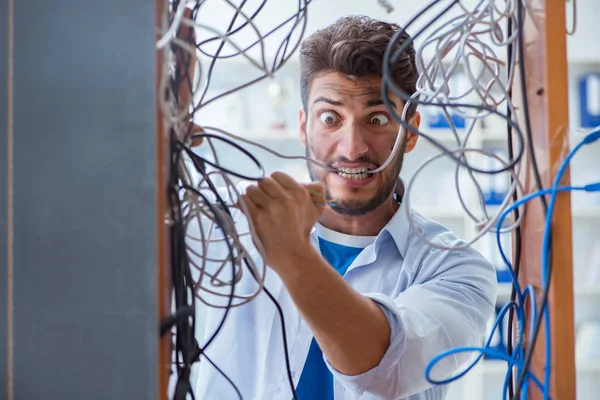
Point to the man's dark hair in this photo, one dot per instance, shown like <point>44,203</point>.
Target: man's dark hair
<point>355,45</point>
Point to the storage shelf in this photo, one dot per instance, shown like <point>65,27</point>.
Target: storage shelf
<point>588,366</point>
<point>580,290</point>
<point>269,136</point>
<point>589,213</point>
<point>494,367</point>
<point>498,367</point>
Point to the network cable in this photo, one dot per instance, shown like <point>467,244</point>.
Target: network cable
<point>197,202</point>
<point>518,357</point>
<point>193,196</point>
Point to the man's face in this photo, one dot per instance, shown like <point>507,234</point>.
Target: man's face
<point>346,125</point>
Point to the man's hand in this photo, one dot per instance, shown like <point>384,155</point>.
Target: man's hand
<point>283,212</point>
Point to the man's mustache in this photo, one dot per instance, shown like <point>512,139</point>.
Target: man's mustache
<point>359,160</point>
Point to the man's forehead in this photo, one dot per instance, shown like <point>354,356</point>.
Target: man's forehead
<point>351,89</point>
<point>347,85</point>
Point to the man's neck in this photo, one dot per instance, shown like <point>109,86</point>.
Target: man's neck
<point>369,224</point>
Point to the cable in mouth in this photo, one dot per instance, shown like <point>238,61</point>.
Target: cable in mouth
<point>354,173</point>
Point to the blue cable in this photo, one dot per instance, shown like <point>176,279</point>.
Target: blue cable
<point>547,226</point>
<point>517,357</point>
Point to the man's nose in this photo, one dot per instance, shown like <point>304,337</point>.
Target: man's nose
<point>352,143</point>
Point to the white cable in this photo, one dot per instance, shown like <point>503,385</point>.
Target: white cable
<point>162,42</point>
<point>457,43</point>
<point>227,271</point>
<point>223,132</point>
<point>486,225</point>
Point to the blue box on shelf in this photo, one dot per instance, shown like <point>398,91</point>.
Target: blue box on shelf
<point>589,100</point>
<point>493,198</point>
<point>437,120</point>
<point>503,275</point>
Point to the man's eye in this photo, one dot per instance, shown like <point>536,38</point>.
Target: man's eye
<point>379,119</point>
<point>329,118</point>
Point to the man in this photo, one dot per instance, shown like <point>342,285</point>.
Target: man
<point>367,303</point>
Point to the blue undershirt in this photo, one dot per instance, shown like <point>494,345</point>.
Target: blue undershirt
<point>316,381</point>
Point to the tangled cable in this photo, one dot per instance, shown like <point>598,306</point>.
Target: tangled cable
<point>203,214</point>
<point>200,213</point>
<point>458,42</point>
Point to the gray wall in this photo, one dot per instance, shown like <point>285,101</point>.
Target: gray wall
<point>3,214</point>
<point>85,303</point>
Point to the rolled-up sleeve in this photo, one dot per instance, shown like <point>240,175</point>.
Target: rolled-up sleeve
<point>448,309</point>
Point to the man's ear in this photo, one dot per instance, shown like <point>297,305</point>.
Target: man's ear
<point>302,116</point>
<point>411,138</point>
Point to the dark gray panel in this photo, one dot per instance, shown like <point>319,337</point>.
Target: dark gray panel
<point>85,235</point>
<point>3,176</point>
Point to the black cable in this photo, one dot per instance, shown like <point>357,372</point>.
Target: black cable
<point>262,77</point>
<point>197,350</point>
<point>277,305</point>
<point>187,350</point>
<point>391,56</point>
<point>538,180</point>
<point>219,223</point>
<point>284,334</point>
<point>249,21</point>
<point>213,60</point>
<point>515,198</point>
<point>196,161</point>
<point>224,375</point>
<point>195,156</point>
<point>186,345</point>
<point>182,285</point>
<point>168,322</point>
<point>300,16</point>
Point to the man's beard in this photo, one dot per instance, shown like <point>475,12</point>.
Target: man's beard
<point>359,207</point>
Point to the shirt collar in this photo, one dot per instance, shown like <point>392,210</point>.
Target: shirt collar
<point>397,227</point>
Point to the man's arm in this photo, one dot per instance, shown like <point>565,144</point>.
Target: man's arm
<point>351,329</point>
<point>447,308</point>
<point>374,344</point>
<point>448,311</point>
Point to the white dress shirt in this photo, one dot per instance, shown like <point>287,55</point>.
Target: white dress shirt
<point>434,300</point>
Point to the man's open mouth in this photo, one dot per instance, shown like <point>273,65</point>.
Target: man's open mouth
<point>354,173</point>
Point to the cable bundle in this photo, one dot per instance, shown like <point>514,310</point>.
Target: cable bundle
<point>457,43</point>
<point>202,215</point>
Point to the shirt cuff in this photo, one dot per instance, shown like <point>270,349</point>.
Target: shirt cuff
<point>361,382</point>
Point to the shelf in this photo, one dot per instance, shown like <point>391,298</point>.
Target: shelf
<point>493,136</point>
<point>589,213</point>
<point>494,367</point>
<point>503,295</point>
<point>269,136</point>
<point>498,367</point>
<point>588,366</point>
<point>442,135</point>
<point>587,291</point>
<point>460,213</point>
<point>580,290</point>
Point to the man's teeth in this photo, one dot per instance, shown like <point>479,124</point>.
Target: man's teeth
<point>353,173</point>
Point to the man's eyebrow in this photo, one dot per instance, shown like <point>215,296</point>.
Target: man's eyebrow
<point>326,100</point>
<point>378,102</point>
